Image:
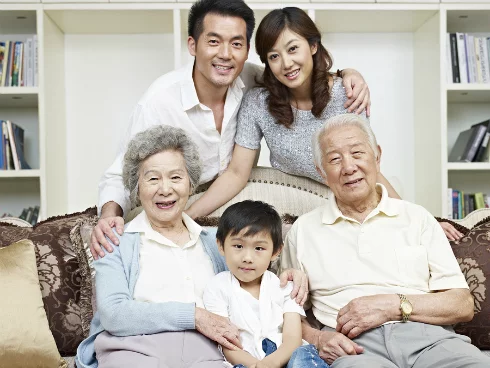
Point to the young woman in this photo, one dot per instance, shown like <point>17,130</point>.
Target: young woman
<point>297,93</point>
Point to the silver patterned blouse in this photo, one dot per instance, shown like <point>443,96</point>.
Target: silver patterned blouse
<point>290,148</point>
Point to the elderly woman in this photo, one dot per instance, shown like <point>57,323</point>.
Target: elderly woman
<point>149,289</point>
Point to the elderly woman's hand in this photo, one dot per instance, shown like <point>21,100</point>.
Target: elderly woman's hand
<point>218,328</point>
<point>300,282</point>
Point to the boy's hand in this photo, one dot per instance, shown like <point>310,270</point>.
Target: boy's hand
<point>218,329</point>
<point>300,282</point>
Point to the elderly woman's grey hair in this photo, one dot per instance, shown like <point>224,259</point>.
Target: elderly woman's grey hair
<point>337,122</point>
<point>155,140</point>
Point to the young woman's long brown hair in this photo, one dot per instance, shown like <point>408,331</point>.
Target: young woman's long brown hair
<point>268,32</point>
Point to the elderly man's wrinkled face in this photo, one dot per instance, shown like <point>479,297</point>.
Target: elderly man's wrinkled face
<point>350,165</point>
<point>164,187</point>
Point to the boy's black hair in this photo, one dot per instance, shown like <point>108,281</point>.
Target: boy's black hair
<point>256,216</point>
<point>233,8</point>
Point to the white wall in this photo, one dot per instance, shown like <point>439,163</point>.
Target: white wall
<point>97,112</point>
<point>94,129</point>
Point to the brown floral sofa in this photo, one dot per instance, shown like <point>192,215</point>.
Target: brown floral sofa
<point>66,278</point>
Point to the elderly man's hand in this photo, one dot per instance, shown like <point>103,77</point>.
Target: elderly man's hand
<point>101,230</point>
<point>218,329</point>
<point>333,345</point>
<point>367,312</point>
<point>300,282</point>
<point>357,92</point>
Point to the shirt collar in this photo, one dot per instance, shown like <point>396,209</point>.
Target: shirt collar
<point>189,94</point>
<point>141,224</point>
<point>386,205</point>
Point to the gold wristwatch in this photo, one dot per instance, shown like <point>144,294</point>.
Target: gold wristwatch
<point>405,307</point>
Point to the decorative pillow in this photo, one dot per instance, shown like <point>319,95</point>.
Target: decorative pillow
<point>58,273</point>
<point>60,280</point>
<point>10,233</point>
<point>472,253</point>
<point>25,338</point>
<point>80,238</point>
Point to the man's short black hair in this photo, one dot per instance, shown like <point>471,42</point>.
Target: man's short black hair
<point>256,217</point>
<point>233,8</point>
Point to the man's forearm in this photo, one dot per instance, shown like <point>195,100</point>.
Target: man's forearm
<point>442,308</point>
<point>310,334</point>
<point>111,209</point>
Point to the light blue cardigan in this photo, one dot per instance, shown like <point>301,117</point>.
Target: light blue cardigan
<point>119,314</point>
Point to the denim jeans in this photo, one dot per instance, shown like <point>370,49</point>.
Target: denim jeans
<point>305,356</point>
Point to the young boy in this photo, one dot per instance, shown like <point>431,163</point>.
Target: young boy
<point>249,236</point>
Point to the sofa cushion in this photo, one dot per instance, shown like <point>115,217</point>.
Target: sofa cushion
<point>472,253</point>
<point>80,238</point>
<point>25,338</point>
<point>58,272</point>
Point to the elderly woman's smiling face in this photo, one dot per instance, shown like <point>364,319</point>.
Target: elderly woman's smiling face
<point>164,187</point>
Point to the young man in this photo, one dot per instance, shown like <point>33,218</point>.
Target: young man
<point>250,237</point>
<point>202,98</point>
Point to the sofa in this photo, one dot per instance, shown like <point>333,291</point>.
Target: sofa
<point>65,276</point>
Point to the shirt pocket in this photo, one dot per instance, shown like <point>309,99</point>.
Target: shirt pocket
<point>413,266</point>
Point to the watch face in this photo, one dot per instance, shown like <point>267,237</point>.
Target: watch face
<point>406,307</point>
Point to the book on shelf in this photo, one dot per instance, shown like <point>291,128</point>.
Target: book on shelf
<point>30,214</point>
<point>12,154</point>
<point>468,58</point>
<point>467,144</point>
<point>18,63</point>
<point>482,155</point>
<point>461,204</point>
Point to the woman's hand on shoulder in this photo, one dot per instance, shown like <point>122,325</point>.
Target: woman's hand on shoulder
<point>357,91</point>
<point>450,231</point>
<point>218,329</point>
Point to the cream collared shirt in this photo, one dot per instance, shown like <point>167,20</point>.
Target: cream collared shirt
<point>168,272</point>
<point>399,248</point>
<point>172,100</point>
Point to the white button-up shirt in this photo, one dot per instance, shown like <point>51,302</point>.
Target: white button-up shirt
<point>169,272</point>
<point>399,248</point>
<point>255,319</point>
<point>172,100</point>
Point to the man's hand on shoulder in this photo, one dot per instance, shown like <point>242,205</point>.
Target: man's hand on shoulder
<point>110,217</point>
<point>333,345</point>
<point>367,312</point>
<point>357,91</point>
<point>300,284</point>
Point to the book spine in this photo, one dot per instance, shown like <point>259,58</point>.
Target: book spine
<point>15,157</point>
<point>463,72</point>
<point>35,61</point>
<point>473,143</point>
<point>470,50</point>
<point>29,63</point>
<point>2,62</point>
<point>460,205</point>
<point>454,58</point>
<point>449,200</point>
<point>476,50</point>
<point>15,69</point>
<point>449,68</point>
<point>466,204</point>
<point>455,205</point>
<point>484,59</point>
<point>2,149</point>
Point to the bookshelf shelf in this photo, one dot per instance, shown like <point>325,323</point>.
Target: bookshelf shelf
<point>465,166</point>
<point>19,96</point>
<point>20,173</point>
<point>468,92</point>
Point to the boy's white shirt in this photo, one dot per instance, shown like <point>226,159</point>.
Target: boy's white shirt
<point>224,296</point>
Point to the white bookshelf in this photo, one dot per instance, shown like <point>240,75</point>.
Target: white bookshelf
<point>97,58</point>
<point>463,104</point>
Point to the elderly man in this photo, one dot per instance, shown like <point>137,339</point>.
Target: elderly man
<point>383,279</point>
